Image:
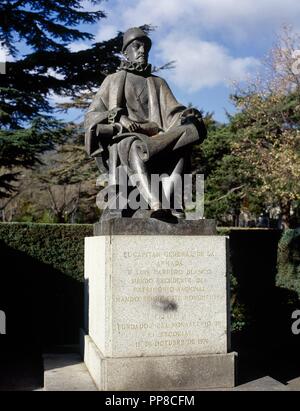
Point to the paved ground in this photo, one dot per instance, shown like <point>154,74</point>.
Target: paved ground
<point>66,372</point>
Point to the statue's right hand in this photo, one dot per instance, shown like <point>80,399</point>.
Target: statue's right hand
<point>129,124</point>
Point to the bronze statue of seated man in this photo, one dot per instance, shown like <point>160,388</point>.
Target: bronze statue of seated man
<point>135,122</point>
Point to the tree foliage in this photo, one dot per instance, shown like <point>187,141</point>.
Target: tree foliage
<point>268,129</point>
<point>61,188</point>
<point>46,27</point>
<point>21,149</point>
<point>252,164</point>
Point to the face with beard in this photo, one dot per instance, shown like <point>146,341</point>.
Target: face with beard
<point>137,52</point>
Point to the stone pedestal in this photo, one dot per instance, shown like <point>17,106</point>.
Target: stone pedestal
<point>157,312</point>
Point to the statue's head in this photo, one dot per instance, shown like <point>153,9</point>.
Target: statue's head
<point>136,45</point>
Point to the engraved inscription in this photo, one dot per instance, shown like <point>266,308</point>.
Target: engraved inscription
<point>178,298</point>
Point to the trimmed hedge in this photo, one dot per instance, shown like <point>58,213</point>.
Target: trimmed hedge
<point>288,268</point>
<point>59,245</point>
<point>41,283</point>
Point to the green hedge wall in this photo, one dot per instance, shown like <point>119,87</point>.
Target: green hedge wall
<point>59,245</point>
<point>288,274</point>
<point>41,281</point>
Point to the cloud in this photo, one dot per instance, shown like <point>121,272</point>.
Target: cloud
<point>232,16</point>
<point>53,73</point>
<point>57,99</point>
<point>212,41</point>
<point>232,22</point>
<point>78,46</point>
<point>202,64</point>
<point>106,32</point>
<point>87,5</point>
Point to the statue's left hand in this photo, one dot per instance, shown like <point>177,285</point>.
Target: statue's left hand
<point>150,128</point>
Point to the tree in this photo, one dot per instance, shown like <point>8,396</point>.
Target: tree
<point>41,23</point>
<point>47,27</point>
<point>253,163</point>
<point>68,177</point>
<point>268,129</point>
<point>61,188</point>
<point>20,148</point>
<point>224,194</point>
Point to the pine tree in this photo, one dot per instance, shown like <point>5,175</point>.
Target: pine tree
<point>47,27</point>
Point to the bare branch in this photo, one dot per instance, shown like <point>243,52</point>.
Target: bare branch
<point>229,192</point>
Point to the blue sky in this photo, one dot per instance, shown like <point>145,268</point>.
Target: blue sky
<point>214,42</point>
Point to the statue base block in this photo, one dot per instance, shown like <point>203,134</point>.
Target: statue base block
<point>152,226</point>
<point>177,372</point>
<point>157,311</point>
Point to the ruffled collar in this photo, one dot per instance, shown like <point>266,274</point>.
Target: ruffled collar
<point>138,68</point>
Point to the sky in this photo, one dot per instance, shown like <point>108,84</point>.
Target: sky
<point>214,42</point>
